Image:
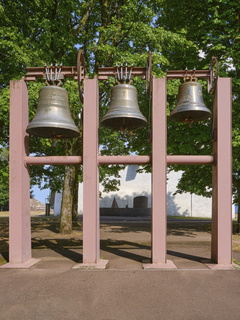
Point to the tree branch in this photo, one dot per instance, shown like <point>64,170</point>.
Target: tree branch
<point>85,17</point>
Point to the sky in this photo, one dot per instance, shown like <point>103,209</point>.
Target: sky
<point>40,195</point>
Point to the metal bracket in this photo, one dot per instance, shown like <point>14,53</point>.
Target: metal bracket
<point>149,74</point>
<point>80,73</point>
<point>214,70</point>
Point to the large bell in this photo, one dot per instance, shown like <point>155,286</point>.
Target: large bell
<point>124,113</point>
<point>53,118</point>
<point>190,106</point>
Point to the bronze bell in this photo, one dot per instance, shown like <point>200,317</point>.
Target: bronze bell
<point>124,113</point>
<point>190,106</point>
<point>53,118</point>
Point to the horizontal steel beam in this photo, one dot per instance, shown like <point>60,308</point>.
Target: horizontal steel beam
<point>190,159</point>
<point>171,159</point>
<point>106,160</point>
<point>71,72</point>
<point>177,74</point>
<point>105,72</point>
<point>53,160</point>
<point>124,159</point>
<point>38,72</point>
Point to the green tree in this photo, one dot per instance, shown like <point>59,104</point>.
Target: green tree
<point>213,26</point>
<point>34,33</point>
<point>4,175</point>
<point>109,32</point>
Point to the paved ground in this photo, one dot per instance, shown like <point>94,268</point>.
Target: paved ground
<point>51,289</point>
<point>126,245</point>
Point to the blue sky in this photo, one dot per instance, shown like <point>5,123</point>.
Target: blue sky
<point>40,195</point>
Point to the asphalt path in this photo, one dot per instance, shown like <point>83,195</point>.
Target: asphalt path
<point>119,295</point>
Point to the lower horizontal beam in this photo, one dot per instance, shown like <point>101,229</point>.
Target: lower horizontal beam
<point>53,160</point>
<point>124,159</point>
<point>190,159</point>
<point>106,160</point>
<point>147,159</point>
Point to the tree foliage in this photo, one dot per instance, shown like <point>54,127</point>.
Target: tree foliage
<point>213,25</point>
<point>110,32</point>
<point>4,175</point>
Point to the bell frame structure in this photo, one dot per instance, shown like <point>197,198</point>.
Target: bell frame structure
<point>20,252</point>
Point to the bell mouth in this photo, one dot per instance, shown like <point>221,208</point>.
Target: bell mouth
<point>190,105</point>
<point>190,116</point>
<point>53,117</point>
<point>53,133</point>
<point>124,123</point>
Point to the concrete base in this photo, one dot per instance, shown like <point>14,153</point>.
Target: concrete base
<point>168,265</point>
<point>24,265</point>
<point>217,266</point>
<point>100,265</point>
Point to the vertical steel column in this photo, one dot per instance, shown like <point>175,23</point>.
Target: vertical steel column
<point>159,177</point>
<point>222,175</point>
<point>159,174</point>
<point>91,214</point>
<point>19,191</point>
<point>91,242</point>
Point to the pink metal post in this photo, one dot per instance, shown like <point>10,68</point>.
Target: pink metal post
<point>159,177</point>
<point>91,212</point>
<point>222,177</point>
<point>19,222</point>
<point>19,195</point>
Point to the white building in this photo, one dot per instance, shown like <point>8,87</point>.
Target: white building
<point>135,184</point>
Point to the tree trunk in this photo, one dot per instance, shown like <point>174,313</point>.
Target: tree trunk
<point>69,208</point>
<point>67,200</point>
<point>238,212</point>
<point>75,196</point>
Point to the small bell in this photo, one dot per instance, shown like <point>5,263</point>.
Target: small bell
<point>53,118</point>
<point>190,106</point>
<point>124,113</point>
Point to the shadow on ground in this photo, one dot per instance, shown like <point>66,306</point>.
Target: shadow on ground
<point>186,240</point>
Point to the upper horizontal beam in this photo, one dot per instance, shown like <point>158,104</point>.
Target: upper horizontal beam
<point>178,74</point>
<point>71,72</point>
<point>105,72</point>
<point>38,72</point>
